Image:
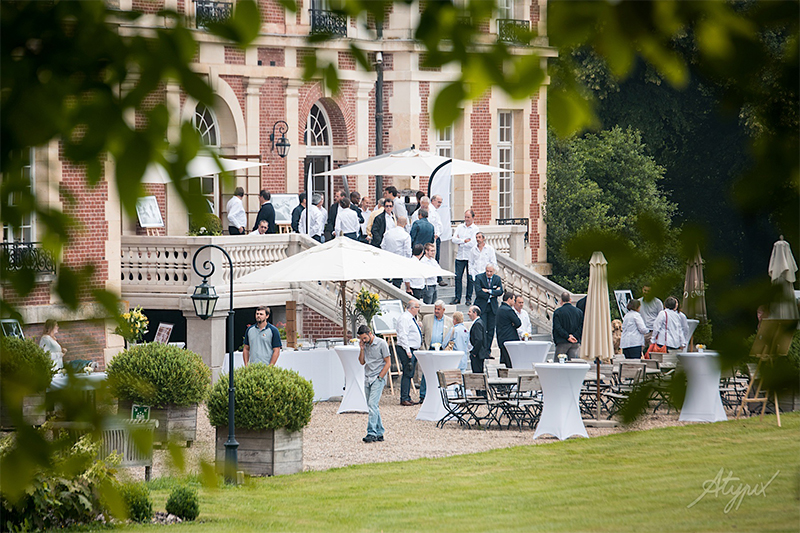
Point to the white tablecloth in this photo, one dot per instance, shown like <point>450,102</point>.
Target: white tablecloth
<point>561,387</point>
<point>524,354</point>
<point>321,367</point>
<point>354,400</point>
<point>84,381</point>
<point>703,402</point>
<point>431,362</point>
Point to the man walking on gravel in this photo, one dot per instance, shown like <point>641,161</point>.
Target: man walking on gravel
<point>374,355</point>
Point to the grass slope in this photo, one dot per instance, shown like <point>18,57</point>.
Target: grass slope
<point>639,481</point>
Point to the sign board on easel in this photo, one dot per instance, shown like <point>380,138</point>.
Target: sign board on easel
<point>149,213</point>
<point>163,333</point>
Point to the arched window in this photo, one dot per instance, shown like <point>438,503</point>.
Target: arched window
<point>206,124</point>
<point>319,151</point>
<point>317,128</point>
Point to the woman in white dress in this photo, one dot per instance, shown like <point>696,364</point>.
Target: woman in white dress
<point>633,331</point>
<point>49,344</point>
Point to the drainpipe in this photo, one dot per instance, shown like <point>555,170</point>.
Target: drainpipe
<point>379,110</point>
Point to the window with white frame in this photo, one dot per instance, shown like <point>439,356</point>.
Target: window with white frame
<point>319,150</point>
<point>505,9</point>
<point>444,142</point>
<point>205,122</point>
<point>505,160</point>
<point>25,232</point>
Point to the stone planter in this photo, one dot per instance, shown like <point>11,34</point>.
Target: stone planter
<point>264,452</point>
<point>33,411</point>
<point>175,423</point>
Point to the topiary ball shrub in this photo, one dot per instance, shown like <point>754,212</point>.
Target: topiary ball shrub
<point>267,397</point>
<point>25,368</point>
<point>137,501</point>
<point>184,503</point>
<point>159,374</point>
<point>205,224</point>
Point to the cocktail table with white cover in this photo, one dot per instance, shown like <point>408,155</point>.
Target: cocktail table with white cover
<point>354,399</point>
<point>431,362</point>
<point>561,387</point>
<point>703,402</point>
<point>524,354</point>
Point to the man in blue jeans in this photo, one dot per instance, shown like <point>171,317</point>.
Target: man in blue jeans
<point>374,355</point>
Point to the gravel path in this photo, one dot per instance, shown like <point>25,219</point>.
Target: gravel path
<point>332,440</point>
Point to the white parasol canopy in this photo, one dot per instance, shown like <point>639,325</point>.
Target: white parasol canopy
<point>342,260</point>
<point>201,165</point>
<point>596,340</point>
<point>782,269</point>
<point>408,162</point>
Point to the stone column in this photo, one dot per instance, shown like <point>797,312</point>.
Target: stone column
<point>207,339</point>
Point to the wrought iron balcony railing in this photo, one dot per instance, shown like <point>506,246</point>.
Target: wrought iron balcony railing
<point>515,222</point>
<point>26,255</point>
<point>206,11</point>
<point>513,30</point>
<point>328,23</point>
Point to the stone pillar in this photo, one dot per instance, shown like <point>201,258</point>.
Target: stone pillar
<point>253,111</point>
<point>296,152</point>
<point>207,339</point>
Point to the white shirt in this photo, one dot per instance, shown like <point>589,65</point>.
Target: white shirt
<point>409,335</point>
<point>416,283</point>
<point>633,330</point>
<point>365,213</point>
<point>400,207</point>
<point>432,262</point>
<point>391,221</point>
<point>526,322</point>
<point>319,216</point>
<point>462,233</point>
<point>478,259</point>
<point>236,214</point>
<point>346,221</point>
<point>649,311</point>
<point>255,232</point>
<point>668,329</point>
<point>397,241</point>
<point>435,219</point>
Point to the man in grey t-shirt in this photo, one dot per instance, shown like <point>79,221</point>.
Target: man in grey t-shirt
<point>651,306</point>
<point>374,355</point>
<point>262,340</point>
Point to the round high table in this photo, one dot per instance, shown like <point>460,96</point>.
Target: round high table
<point>703,402</point>
<point>431,362</point>
<point>524,354</point>
<point>354,400</point>
<point>561,387</point>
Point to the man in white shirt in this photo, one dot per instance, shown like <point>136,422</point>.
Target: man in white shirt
<point>398,241</point>
<point>416,286</point>
<point>464,237</point>
<point>399,203</point>
<point>409,338</point>
<point>237,217</point>
<point>523,316</point>
<point>480,256</point>
<point>430,283</point>
<point>318,218</point>
<point>424,203</point>
<point>651,307</point>
<point>262,228</point>
<point>347,223</point>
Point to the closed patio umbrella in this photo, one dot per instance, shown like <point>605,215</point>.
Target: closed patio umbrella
<point>342,260</point>
<point>782,268</point>
<point>694,291</point>
<point>597,340</point>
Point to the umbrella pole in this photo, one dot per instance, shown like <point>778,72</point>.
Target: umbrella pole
<point>597,385</point>
<point>344,312</point>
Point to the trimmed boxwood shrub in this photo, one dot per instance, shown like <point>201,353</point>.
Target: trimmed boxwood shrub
<point>137,501</point>
<point>267,397</point>
<point>25,368</point>
<point>183,503</point>
<point>159,374</point>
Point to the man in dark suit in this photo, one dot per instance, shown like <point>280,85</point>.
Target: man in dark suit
<point>379,225</point>
<point>297,212</point>
<point>507,323</point>
<point>567,328</point>
<point>488,287</point>
<point>267,212</point>
<point>422,231</point>
<point>477,338</point>
<point>333,211</point>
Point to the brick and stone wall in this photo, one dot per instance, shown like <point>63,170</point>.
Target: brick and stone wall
<point>82,339</point>
<point>481,152</point>
<point>316,326</point>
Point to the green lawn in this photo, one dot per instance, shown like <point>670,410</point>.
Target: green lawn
<point>639,481</point>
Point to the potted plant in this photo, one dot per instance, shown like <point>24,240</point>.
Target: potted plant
<point>368,305</point>
<point>205,225</point>
<point>171,380</point>
<point>133,326</point>
<point>25,374</point>
<point>272,406</point>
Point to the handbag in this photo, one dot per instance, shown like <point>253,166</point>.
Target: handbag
<point>655,348</point>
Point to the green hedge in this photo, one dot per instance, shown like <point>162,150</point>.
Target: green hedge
<point>24,366</point>
<point>267,397</point>
<point>159,374</point>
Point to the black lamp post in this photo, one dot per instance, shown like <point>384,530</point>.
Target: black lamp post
<point>204,300</point>
<point>281,144</point>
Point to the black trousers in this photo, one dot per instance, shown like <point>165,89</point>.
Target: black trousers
<point>634,352</point>
<point>476,363</point>
<point>234,230</point>
<point>504,357</point>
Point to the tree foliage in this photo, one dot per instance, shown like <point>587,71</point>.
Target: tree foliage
<point>605,186</point>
